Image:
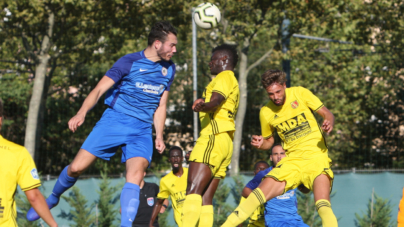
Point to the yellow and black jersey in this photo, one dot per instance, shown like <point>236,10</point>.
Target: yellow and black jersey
<point>222,120</point>
<point>16,167</point>
<point>174,186</point>
<point>295,123</point>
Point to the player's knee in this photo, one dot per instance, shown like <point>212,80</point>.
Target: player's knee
<point>74,170</point>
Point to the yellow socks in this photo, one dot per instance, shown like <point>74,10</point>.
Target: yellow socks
<point>206,218</point>
<point>327,216</point>
<point>245,209</point>
<point>191,210</point>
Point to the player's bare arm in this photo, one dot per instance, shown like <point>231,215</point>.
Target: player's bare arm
<point>159,119</point>
<point>92,99</point>
<point>261,143</point>
<point>156,211</point>
<point>38,202</point>
<point>246,192</point>
<point>202,106</point>
<point>328,123</point>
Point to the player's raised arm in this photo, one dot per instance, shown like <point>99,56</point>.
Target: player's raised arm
<point>261,143</point>
<point>328,123</point>
<point>159,119</point>
<point>92,99</point>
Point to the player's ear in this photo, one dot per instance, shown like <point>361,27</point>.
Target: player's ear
<point>157,44</point>
<point>270,157</point>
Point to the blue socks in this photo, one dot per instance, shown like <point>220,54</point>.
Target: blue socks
<point>129,203</point>
<point>63,183</point>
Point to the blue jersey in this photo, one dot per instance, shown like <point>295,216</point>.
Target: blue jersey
<point>139,85</point>
<point>283,207</point>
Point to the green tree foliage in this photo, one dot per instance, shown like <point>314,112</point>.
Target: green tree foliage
<point>107,212</point>
<point>307,210</point>
<point>221,209</point>
<point>81,214</point>
<point>378,213</point>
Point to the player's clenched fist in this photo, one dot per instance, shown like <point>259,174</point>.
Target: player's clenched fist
<point>257,141</point>
<point>198,105</point>
<point>76,121</point>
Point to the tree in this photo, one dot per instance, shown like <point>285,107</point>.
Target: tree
<point>106,203</point>
<point>307,209</point>
<point>44,39</point>
<point>378,213</point>
<point>81,214</point>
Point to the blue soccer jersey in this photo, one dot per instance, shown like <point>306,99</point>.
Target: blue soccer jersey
<point>139,85</point>
<point>282,208</point>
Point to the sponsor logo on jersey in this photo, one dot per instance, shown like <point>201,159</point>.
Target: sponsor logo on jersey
<point>287,195</point>
<point>294,128</point>
<point>276,116</point>
<point>150,88</point>
<point>142,70</point>
<point>164,71</point>
<point>294,104</point>
<point>150,201</point>
<point>34,174</point>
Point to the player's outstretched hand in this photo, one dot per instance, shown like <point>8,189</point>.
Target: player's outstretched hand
<point>327,126</point>
<point>160,146</point>
<point>198,105</point>
<point>257,141</point>
<point>76,121</point>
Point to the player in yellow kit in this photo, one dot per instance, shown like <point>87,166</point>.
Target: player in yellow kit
<point>290,113</point>
<point>214,148</point>
<point>174,185</point>
<point>400,216</point>
<point>17,167</point>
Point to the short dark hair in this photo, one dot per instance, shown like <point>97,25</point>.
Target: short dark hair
<point>277,144</point>
<point>230,51</point>
<point>273,76</point>
<point>260,162</point>
<point>159,31</point>
<point>1,107</point>
<point>173,148</point>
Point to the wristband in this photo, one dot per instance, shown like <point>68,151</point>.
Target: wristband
<point>165,206</point>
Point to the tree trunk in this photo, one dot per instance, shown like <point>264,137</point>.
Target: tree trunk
<point>242,82</point>
<point>32,137</point>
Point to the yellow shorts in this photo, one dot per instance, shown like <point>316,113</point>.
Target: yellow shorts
<point>296,171</point>
<point>215,151</point>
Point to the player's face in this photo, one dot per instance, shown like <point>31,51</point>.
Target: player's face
<point>259,167</point>
<point>277,154</point>
<point>276,93</point>
<point>168,48</point>
<point>216,63</point>
<point>176,159</point>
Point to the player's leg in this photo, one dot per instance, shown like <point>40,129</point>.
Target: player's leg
<point>206,217</point>
<point>268,189</point>
<point>66,180</point>
<point>199,177</point>
<point>321,190</point>
<point>135,168</point>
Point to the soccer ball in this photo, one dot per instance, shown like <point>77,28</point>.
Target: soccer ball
<point>207,15</point>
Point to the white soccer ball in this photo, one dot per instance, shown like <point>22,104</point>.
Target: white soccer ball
<point>207,15</point>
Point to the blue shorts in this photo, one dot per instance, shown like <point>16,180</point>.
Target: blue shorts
<point>115,130</point>
<point>286,223</point>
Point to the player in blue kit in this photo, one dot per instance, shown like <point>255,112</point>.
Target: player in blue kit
<point>280,211</point>
<point>140,85</point>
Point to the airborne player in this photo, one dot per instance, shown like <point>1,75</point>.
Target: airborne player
<point>290,113</point>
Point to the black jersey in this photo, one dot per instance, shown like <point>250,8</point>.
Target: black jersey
<point>147,200</point>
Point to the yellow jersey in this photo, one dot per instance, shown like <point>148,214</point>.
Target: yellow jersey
<point>176,187</point>
<point>222,120</point>
<point>295,123</point>
<point>16,167</point>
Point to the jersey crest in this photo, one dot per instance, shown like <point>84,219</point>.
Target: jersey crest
<point>150,201</point>
<point>34,174</point>
<point>164,71</point>
<point>294,104</point>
